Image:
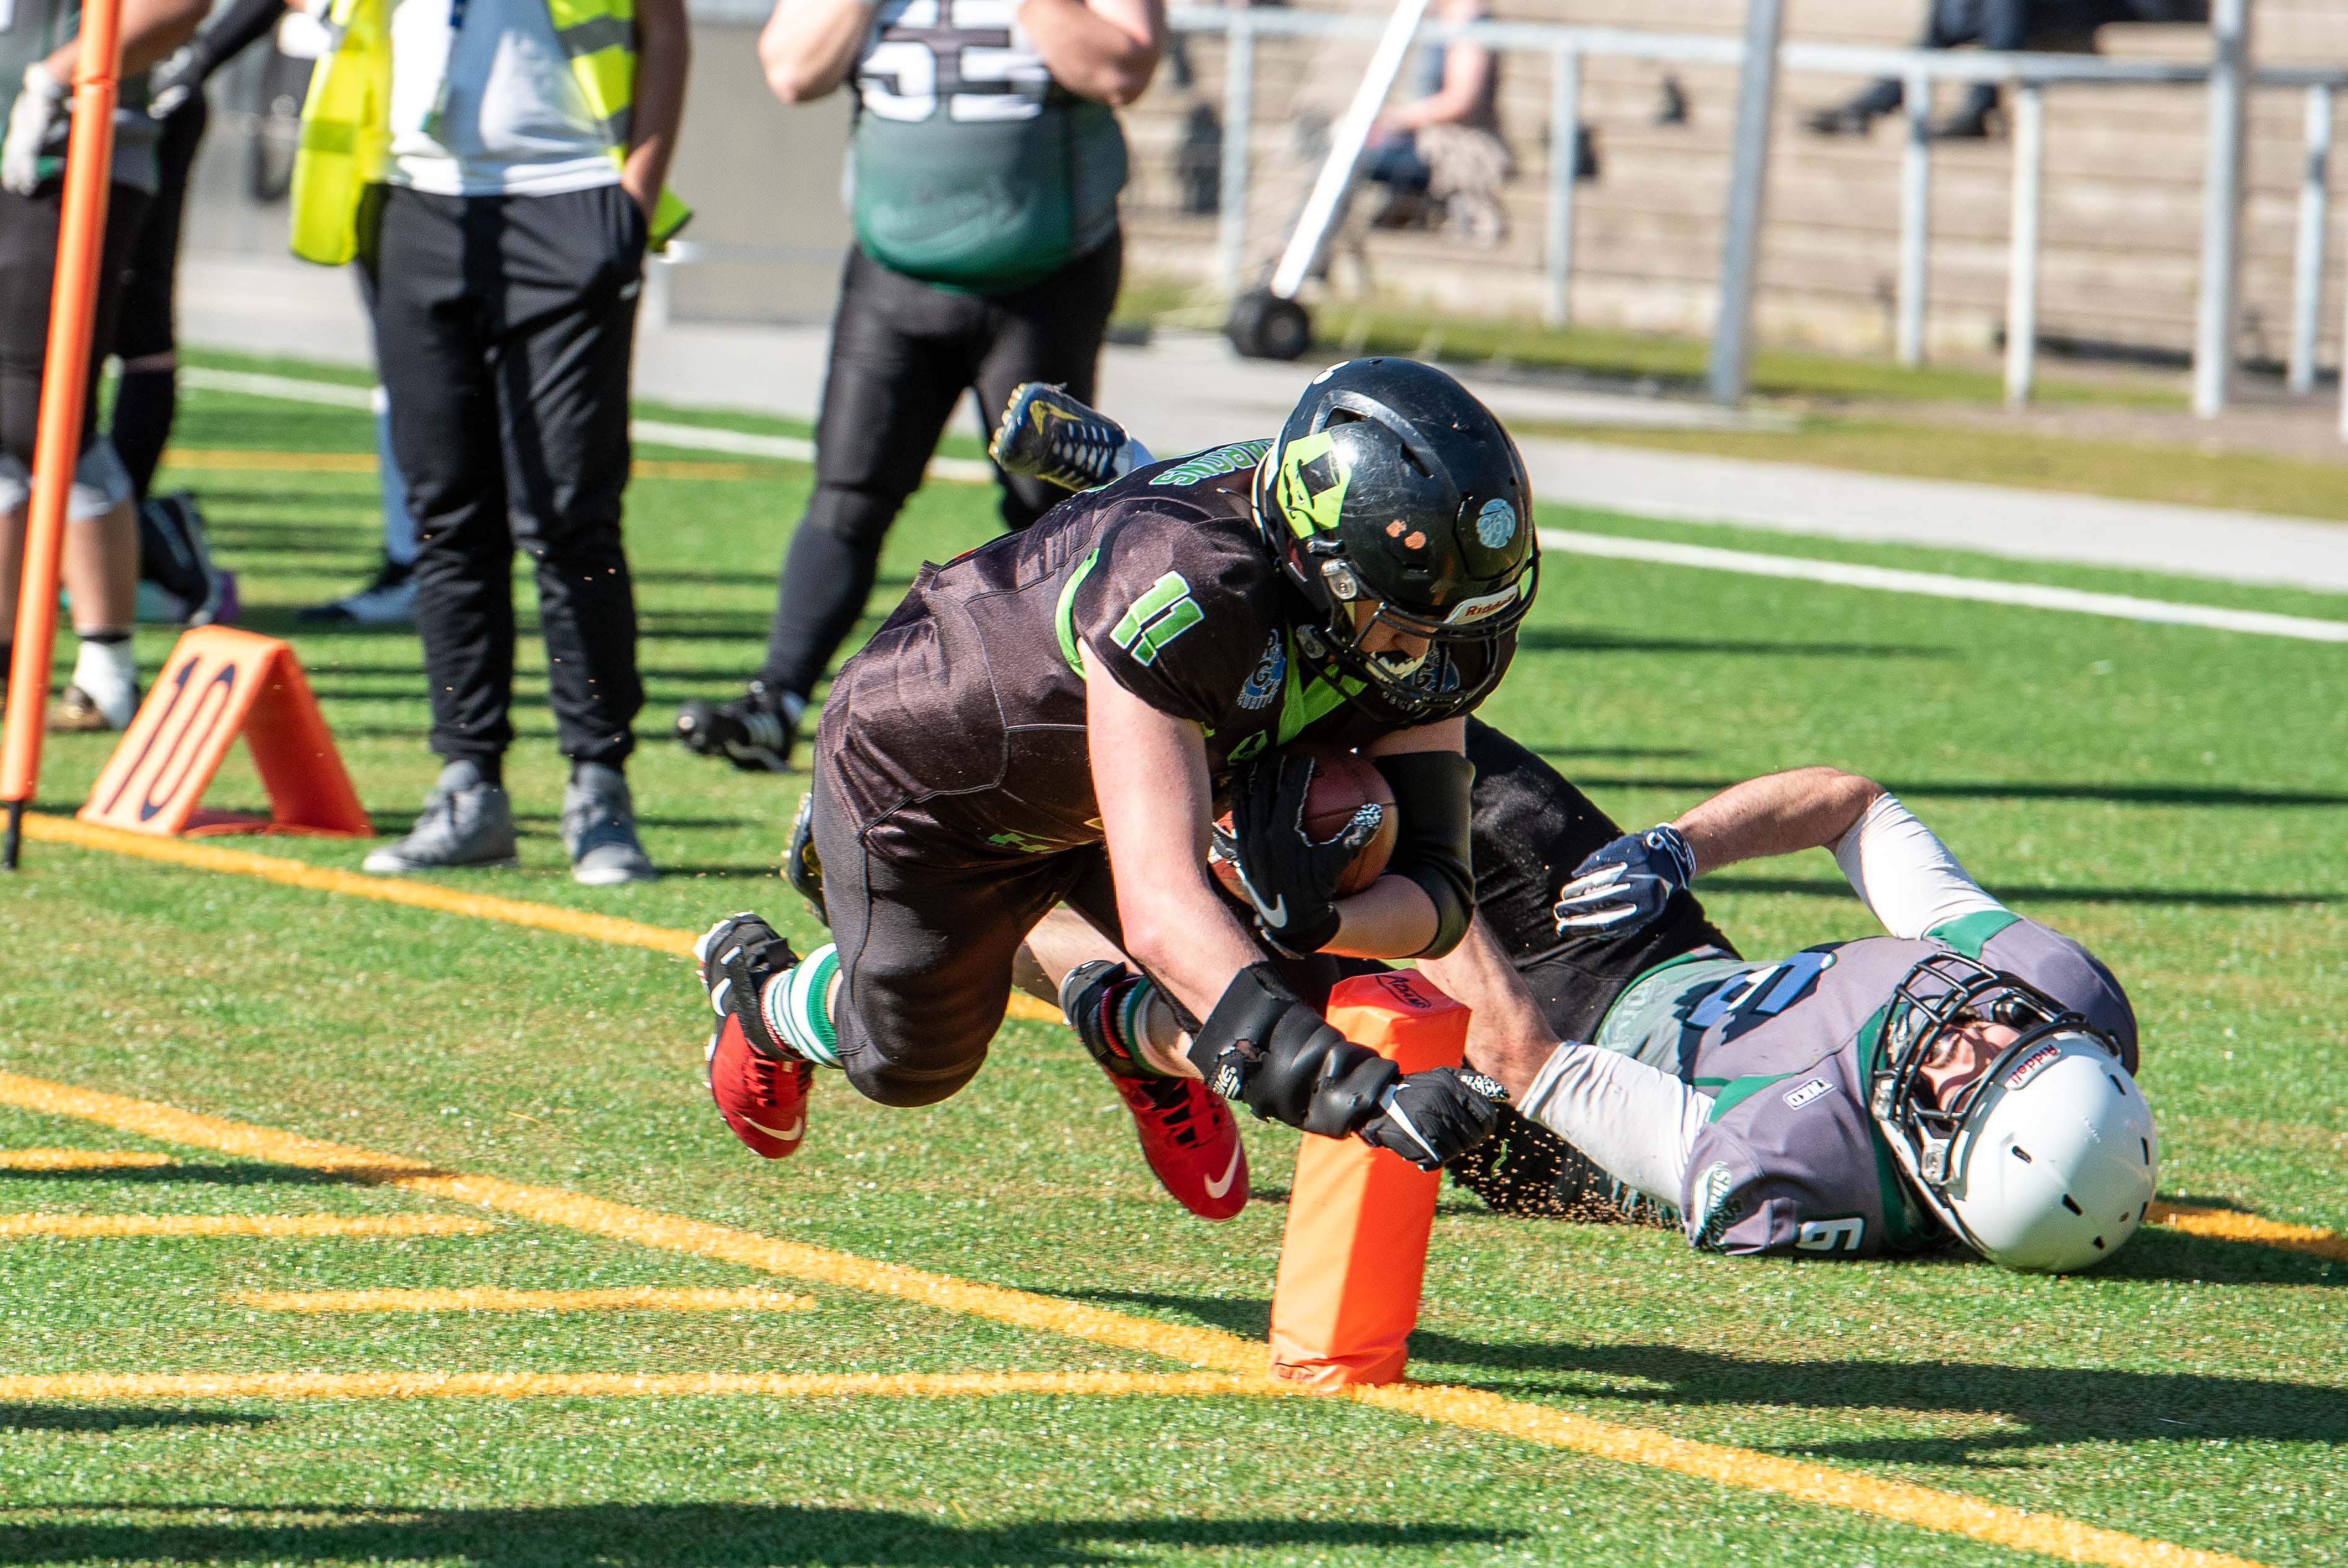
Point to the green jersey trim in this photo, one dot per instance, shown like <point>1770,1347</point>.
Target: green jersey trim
<point>1969,934</point>
<point>1905,1229</point>
<point>1737,1090</point>
<point>1304,700</point>
<point>1064,617</point>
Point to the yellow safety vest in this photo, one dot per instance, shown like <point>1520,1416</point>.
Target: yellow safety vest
<point>346,119</point>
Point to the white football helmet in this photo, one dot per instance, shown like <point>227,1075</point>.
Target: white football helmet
<point>2045,1162</point>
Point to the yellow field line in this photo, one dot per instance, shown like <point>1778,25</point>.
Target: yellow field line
<point>203,855</point>
<point>72,1386</point>
<point>97,1226</point>
<point>217,458</point>
<point>82,1159</point>
<point>2232,1224</point>
<point>490,1298</point>
<point>1923,1507</point>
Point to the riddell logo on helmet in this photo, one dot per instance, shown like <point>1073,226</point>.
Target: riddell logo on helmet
<point>1475,610</point>
<point>2036,1062</point>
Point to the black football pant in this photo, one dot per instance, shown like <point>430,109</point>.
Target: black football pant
<point>505,326</point>
<point>1532,830</point>
<point>926,932</point>
<point>147,401</point>
<point>29,261</point>
<point>903,352</point>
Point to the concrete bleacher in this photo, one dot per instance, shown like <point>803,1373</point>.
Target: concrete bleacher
<point>2122,218</point>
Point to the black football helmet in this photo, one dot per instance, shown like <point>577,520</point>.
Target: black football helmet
<point>1392,486</point>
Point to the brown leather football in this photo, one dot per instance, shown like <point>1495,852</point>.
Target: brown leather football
<point>1343,783</point>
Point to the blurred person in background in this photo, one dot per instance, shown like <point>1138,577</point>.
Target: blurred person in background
<point>984,167</point>
<point>174,554</point>
<point>39,48</point>
<point>2001,25</point>
<point>497,167</point>
<point>1441,154</point>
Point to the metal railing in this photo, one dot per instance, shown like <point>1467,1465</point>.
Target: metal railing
<point>2029,75</point>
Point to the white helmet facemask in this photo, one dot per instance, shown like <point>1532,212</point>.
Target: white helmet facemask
<point>2047,1161</point>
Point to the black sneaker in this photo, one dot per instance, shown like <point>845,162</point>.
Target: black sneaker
<point>1047,435</point>
<point>755,731</point>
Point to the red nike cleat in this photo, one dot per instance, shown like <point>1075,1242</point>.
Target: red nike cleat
<point>763,1098</point>
<point>1190,1141</point>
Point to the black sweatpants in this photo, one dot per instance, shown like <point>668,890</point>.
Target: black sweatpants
<point>28,264</point>
<point>147,401</point>
<point>903,354</point>
<point>504,326</point>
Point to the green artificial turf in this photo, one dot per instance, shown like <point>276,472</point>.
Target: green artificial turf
<point>2173,796</point>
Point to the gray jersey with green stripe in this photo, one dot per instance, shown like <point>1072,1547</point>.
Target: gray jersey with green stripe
<point>1790,1162</point>
<point>32,30</point>
<point>970,167</point>
<point>965,729</point>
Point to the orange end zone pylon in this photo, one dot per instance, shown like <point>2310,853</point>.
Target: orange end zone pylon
<point>218,683</point>
<point>1354,1253</point>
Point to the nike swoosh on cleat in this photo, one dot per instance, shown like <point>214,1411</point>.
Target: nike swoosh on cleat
<point>1216,1189</point>
<point>796,1128</point>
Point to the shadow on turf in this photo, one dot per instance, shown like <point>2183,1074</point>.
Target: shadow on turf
<point>1568,639</point>
<point>680,1535</point>
<point>117,1418</point>
<point>1829,888</point>
<point>1983,789</point>
<point>2040,1406</point>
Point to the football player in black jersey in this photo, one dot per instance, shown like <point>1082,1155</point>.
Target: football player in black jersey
<point>1056,717</point>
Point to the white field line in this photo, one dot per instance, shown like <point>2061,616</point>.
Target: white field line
<point>1940,585</point>
<point>656,432</point>
<point>1751,563</point>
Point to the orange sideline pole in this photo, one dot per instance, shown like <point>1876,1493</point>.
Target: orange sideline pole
<point>65,380</point>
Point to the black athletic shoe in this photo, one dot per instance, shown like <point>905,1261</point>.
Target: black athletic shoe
<point>1047,435</point>
<point>387,600</point>
<point>752,732</point>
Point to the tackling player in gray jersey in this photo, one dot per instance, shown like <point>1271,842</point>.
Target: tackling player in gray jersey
<point>1968,1074</point>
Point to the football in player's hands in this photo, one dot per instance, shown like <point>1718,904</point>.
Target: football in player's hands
<point>1624,887</point>
<point>1308,825</point>
<point>1343,783</point>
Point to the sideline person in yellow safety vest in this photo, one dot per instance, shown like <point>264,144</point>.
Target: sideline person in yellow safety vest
<point>496,168</point>
<point>346,118</point>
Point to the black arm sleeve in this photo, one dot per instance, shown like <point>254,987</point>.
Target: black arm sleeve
<point>1431,845</point>
<point>1264,1047</point>
<point>226,35</point>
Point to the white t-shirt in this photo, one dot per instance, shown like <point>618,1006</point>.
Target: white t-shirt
<point>516,123</point>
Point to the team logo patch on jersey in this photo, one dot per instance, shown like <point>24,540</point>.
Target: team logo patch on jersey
<point>2036,1062</point>
<point>1797,1097</point>
<point>1715,1213</point>
<point>1264,684</point>
<point>1214,463</point>
<point>1496,525</point>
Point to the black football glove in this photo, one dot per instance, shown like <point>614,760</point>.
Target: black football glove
<point>179,78</point>
<point>1290,879</point>
<point>1434,1116</point>
<point>1624,887</point>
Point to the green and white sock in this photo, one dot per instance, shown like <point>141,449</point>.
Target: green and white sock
<point>798,1007</point>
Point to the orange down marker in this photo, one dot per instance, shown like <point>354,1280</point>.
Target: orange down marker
<point>218,683</point>
<point>1355,1254</point>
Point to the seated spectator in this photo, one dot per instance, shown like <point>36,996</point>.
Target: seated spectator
<point>2051,25</point>
<point>1443,148</point>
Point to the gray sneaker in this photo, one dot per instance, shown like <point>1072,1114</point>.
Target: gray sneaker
<point>598,828</point>
<point>467,821</point>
